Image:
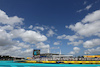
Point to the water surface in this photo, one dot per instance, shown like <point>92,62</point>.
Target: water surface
<point>13,64</point>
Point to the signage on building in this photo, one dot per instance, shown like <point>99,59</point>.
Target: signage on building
<point>36,53</point>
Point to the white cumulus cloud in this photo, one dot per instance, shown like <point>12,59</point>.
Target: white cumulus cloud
<point>30,27</point>
<point>15,40</point>
<point>28,35</point>
<point>90,25</point>
<point>75,43</point>
<point>92,51</point>
<point>4,19</point>
<point>32,37</point>
<point>38,28</point>
<point>69,37</point>
<point>50,33</point>
<point>76,50</point>
<point>5,38</point>
<point>91,43</point>
<point>92,17</point>
<point>57,43</point>
<point>88,7</point>
<point>85,2</point>
<point>45,48</point>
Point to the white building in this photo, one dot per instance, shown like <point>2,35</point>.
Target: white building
<point>62,56</point>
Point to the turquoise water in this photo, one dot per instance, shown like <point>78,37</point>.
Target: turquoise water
<point>13,64</point>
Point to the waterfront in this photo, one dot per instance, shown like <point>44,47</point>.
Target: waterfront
<point>13,64</point>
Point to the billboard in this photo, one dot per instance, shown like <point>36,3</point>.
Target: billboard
<point>36,52</point>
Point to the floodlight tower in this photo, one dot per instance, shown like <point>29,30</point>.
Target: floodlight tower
<point>48,50</point>
<point>60,52</point>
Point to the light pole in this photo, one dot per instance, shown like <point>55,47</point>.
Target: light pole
<point>87,56</point>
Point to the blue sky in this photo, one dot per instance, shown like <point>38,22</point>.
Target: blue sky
<point>50,25</point>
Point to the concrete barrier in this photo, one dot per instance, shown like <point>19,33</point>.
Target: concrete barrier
<point>65,62</point>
